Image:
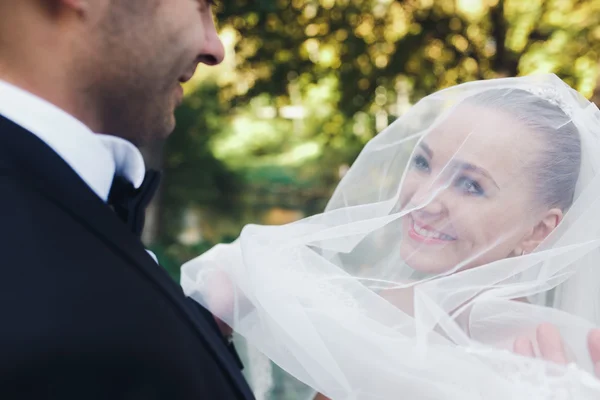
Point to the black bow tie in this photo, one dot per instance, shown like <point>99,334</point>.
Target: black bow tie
<point>130,203</point>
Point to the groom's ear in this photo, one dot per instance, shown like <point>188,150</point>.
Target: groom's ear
<point>542,229</point>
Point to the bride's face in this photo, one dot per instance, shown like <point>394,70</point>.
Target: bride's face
<point>470,189</point>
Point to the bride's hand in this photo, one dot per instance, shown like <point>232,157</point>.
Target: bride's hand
<point>552,348</point>
<point>219,299</point>
<point>224,299</point>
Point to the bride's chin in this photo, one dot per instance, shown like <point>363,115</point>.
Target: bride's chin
<point>428,268</point>
<point>421,262</point>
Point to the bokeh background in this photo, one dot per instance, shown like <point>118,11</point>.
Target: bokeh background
<point>265,137</point>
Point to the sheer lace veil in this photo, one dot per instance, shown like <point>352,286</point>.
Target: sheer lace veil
<point>469,221</point>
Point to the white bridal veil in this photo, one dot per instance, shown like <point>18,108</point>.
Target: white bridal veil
<point>471,220</point>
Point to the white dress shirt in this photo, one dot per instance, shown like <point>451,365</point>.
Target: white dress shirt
<point>96,158</point>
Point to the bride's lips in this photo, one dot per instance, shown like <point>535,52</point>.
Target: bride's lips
<point>426,234</point>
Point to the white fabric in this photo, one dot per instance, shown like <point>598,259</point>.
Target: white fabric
<point>470,221</point>
<point>94,157</point>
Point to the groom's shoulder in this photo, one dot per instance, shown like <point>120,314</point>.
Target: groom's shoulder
<point>16,194</point>
<point>17,198</point>
<point>30,220</point>
<point>26,218</point>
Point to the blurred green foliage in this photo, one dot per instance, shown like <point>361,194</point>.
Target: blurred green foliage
<point>365,44</point>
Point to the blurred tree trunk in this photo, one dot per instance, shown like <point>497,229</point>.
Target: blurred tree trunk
<point>154,158</point>
<point>504,63</point>
<point>596,95</point>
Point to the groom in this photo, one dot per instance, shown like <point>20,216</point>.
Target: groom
<point>85,311</point>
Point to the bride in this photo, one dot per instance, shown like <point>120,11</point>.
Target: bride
<point>459,258</point>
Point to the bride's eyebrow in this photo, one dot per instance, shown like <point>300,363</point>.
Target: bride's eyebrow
<point>462,165</point>
<point>465,166</point>
<point>426,149</point>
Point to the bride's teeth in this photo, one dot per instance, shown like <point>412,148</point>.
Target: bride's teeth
<point>429,234</point>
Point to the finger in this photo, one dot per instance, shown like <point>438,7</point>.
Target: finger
<point>550,342</point>
<point>594,348</point>
<point>523,346</point>
<point>594,345</point>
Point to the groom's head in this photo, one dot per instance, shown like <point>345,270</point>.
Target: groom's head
<point>115,64</point>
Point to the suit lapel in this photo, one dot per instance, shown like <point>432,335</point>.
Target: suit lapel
<point>32,161</point>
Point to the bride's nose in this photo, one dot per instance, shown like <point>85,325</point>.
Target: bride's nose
<point>430,199</point>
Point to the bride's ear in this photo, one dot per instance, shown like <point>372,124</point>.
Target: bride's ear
<point>542,229</point>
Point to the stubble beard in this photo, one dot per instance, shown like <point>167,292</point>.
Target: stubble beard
<point>131,83</point>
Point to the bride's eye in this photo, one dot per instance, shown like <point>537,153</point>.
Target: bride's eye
<point>420,163</point>
<point>469,186</point>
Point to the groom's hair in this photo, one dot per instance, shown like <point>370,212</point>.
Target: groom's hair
<point>556,170</point>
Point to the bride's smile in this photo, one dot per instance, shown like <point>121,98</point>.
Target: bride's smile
<point>426,234</point>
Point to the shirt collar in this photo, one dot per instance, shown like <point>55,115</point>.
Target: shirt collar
<point>94,157</point>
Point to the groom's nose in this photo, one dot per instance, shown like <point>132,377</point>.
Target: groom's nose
<point>212,51</point>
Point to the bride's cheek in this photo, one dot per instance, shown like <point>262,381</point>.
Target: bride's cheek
<point>407,191</point>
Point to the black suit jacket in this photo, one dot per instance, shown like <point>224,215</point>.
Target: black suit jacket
<point>85,312</point>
